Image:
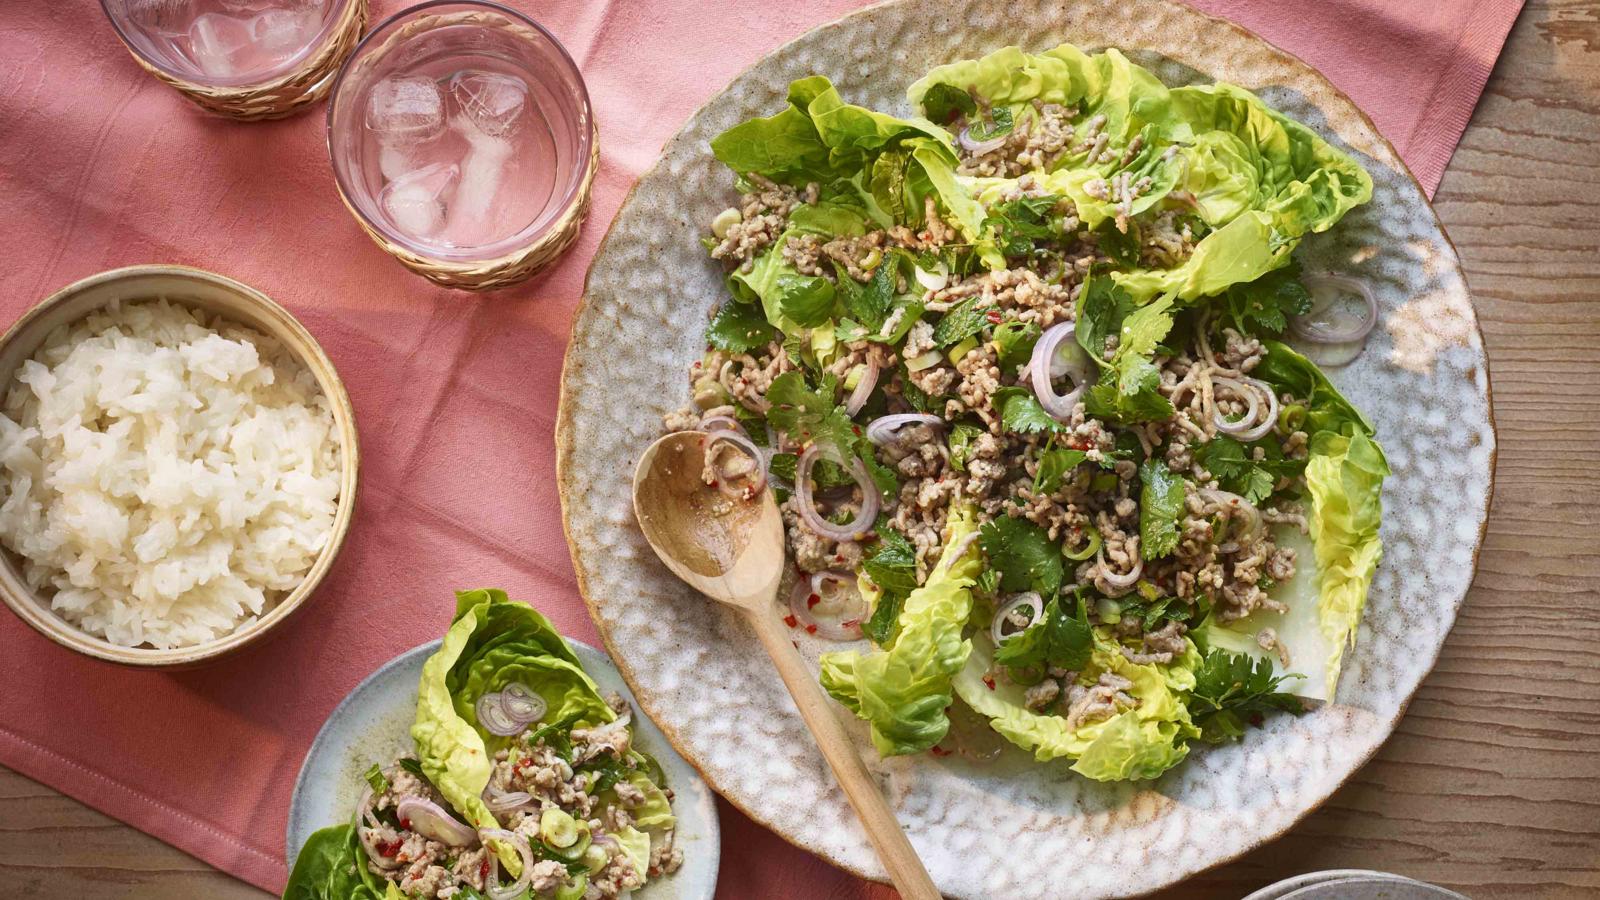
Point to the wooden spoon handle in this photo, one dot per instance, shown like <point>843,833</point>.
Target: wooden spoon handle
<point>899,857</point>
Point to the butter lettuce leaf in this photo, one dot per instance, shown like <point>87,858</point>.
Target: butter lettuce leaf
<point>1344,478</point>
<point>902,690</point>
<point>332,866</point>
<point>1139,743</point>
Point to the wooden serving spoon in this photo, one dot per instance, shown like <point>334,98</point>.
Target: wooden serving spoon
<point>732,551</point>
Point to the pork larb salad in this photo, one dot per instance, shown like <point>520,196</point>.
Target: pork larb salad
<point>524,782</point>
<point>1017,369</point>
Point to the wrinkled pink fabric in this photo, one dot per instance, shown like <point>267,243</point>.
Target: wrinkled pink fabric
<point>455,394</point>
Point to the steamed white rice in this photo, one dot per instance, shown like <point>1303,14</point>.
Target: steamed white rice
<point>168,478</point>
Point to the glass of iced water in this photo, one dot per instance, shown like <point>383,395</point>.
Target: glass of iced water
<point>463,142</point>
<point>250,59</point>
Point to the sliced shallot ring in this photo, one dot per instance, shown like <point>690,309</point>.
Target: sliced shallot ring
<point>519,843</point>
<point>883,429</point>
<point>803,486</point>
<point>976,147</point>
<point>430,820</point>
<point>522,703</point>
<point>1047,365</point>
<point>1234,504</point>
<point>492,716</point>
<point>1030,599</point>
<point>500,801</point>
<point>1255,425</point>
<point>858,397</point>
<point>1123,580</point>
<point>1307,330</point>
<point>844,627</point>
<point>754,483</point>
<point>715,423</point>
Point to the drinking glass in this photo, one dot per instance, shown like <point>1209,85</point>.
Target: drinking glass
<point>463,142</point>
<point>249,59</point>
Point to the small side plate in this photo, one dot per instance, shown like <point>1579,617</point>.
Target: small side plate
<point>373,723</point>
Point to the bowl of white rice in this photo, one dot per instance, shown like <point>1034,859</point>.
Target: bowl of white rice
<point>178,465</point>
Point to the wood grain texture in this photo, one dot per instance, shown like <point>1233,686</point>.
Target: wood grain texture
<point>1491,785</point>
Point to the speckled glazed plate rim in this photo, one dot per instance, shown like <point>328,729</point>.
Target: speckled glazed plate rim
<point>699,834</point>
<point>565,448</point>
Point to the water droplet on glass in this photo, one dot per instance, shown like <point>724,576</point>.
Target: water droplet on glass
<point>416,201</point>
<point>491,101</point>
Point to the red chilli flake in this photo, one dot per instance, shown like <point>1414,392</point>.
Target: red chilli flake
<point>989,680</point>
<point>388,849</point>
<point>483,870</point>
<point>993,316</point>
<point>790,620</point>
<point>812,601</point>
<point>937,750</point>
<point>811,629</point>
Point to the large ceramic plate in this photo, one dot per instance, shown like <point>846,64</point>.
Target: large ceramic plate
<point>374,721</point>
<point>1016,829</point>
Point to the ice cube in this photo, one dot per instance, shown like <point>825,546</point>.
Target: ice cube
<point>284,32</point>
<point>416,201</point>
<point>472,213</point>
<point>406,108</point>
<point>168,17</point>
<point>218,43</point>
<point>491,101</point>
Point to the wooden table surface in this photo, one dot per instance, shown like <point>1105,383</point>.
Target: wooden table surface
<point>1491,785</point>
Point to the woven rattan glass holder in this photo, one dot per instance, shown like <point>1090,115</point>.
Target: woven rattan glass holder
<point>514,258</point>
<point>306,79</point>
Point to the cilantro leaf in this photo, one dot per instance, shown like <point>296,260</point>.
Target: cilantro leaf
<point>1056,639</point>
<point>1143,329</point>
<point>1023,554</point>
<point>1152,612</point>
<point>1232,691</point>
<point>964,320</point>
<point>1237,470</point>
<point>1015,341</point>
<point>1102,307</point>
<point>1265,305</point>
<point>1160,507</point>
<point>1054,465</point>
<point>810,415</point>
<point>1106,402</point>
<point>739,328</point>
<point>806,300</point>
<point>1021,413</point>
<point>944,102</point>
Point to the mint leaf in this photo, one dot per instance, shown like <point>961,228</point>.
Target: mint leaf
<point>880,625</point>
<point>1018,224</point>
<point>887,183</point>
<point>1233,691</point>
<point>1023,554</point>
<point>1056,639</point>
<point>1122,249</point>
<point>1002,124</point>
<point>868,303</point>
<point>739,328</point>
<point>1021,413</point>
<point>943,103</point>
<point>1055,465</point>
<point>1160,507</point>
<point>963,320</point>
<point>961,438</point>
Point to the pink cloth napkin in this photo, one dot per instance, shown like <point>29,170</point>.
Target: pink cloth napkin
<point>455,395</point>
